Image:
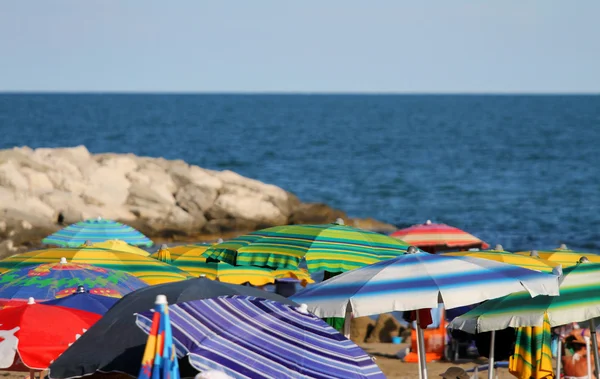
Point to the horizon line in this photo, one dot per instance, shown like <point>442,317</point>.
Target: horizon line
<point>305,93</point>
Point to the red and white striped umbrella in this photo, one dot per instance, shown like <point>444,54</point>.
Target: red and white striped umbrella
<point>431,237</point>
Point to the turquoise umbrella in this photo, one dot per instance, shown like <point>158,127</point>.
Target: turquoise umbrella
<point>95,231</point>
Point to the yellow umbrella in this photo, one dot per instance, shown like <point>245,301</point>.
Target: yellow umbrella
<point>562,256</point>
<point>121,246</point>
<point>147,269</point>
<point>190,258</point>
<point>532,263</point>
<point>532,358</point>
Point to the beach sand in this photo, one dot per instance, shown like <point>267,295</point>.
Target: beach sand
<point>385,353</point>
<point>394,368</point>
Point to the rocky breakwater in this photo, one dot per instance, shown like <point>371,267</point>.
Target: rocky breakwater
<point>42,190</point>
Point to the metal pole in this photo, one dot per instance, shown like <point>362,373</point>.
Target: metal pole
<point>559,357</point>
<point>595,346</point>
<point>421,348</point>
<point>491,357</point>
<point>348,322</point>
<point>589,358</point>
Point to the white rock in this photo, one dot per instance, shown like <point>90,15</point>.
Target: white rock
<point>196,199</point>
<point>38,181</point>
<point>141,194</point>
<point>230,177</point>
<point>159,177</point>
<point>108,187</point>
<point>12,178</point>
<point>119,163</point>
<point>250,208</point>
<point>196,176</point>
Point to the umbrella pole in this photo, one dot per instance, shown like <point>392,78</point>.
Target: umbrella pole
<point>589,358</point>
<point>421,348</point>
<point>492,354</point>
<point>595,346</point>
<point>559,358</point>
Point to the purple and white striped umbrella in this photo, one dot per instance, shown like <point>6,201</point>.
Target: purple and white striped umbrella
<point>248,337</point>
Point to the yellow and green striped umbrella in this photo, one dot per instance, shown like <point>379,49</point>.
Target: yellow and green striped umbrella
<point>121,246</point>
<point>147,269</point>
<point>189,258</point>
<point>532,358</point>
<point>532,263</point>
<point>564,257</point>
<point>331,247</point>
<point>172,253</point>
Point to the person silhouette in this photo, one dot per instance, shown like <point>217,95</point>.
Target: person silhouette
<point>8,346</point>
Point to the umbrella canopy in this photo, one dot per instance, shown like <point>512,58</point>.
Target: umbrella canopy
<point>147,269</point>
<point>579,300</point>
<point>419,281</point>
<point>564,257</point>
<point>85,301</point>
<point>532,263</point>
<point>120,246</point>
<point>39,333</point>
<point>174,252</point>
<point>248,337</point>
<point>190,258</point>
<point>331,247</point>
<point>51,280</point>
<point>160,359</point>
<point>533,353</point>
<point>430,235</point>
<point>115,344</point>
<point>96,230</point>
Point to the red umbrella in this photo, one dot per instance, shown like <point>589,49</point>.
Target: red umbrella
<point>431,237</point>
<point>33,335</point>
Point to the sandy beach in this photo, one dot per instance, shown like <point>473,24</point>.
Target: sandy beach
<point>394,368</point>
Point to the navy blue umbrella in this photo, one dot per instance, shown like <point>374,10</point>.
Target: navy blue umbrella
<point>85,301</point>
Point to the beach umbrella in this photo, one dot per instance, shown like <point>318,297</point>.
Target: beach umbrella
<point>33,335</point>
<point>96,230</point>
<point>249,337</point>
<point>115,344</point>
<point>415,281</point>
<point>533,353</point>
<point>147,269</point>
<point>579,301</point>
<point>160,359</point>
<point>51,280</point>
<point>190,258</point>
<point>120,246</point>
<point>564,257</point>
<point>532,263</point>
<point>85,301</point>
<point>331,247</point>
<point>432,237</point>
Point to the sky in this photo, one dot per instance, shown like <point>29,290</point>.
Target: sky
<point>309,46</point>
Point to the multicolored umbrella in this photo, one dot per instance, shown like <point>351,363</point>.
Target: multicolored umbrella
<point>120,246</point>
<point>532,263</point>
<point>430,236</point>
<point>147,269</point>
<point>33,335</point>
<point>117,329</point>
<point>332,247</point>
<point>248,337</point>
<point>160,359</point>
<point>579,300</point>
<point>419,281</point>
<point>85,301</point>
<point>189,258</point>
<point>96,230</point>
<point>54,280</point>
<point>532,358</point>
<point>563,257</point>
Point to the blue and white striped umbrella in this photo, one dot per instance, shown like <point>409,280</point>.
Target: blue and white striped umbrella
<point>420,281</point>
<point>248,337</point>
<point>96,230</point>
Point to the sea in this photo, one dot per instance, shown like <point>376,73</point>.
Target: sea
<point>521,171</point>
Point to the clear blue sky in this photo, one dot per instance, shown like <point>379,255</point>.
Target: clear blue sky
<point>300,46</point>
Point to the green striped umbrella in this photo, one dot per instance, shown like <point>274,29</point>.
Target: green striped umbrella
<point>96,230</point>
<point>331,247</point>
<point>579,300</point>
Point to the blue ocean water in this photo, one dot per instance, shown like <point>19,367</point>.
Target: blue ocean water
<point>522,171</point>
